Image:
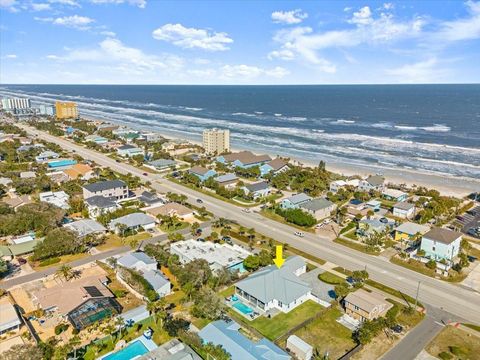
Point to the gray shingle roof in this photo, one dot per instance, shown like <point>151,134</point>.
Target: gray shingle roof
<point>155,278</point>
<point>442,235</point>
<point>198,170</point>
<point>100,202</point>
<point>86,227</point>
<point>262,185</point>
<point>131,259</point>
<point>403,205</point>
<point>299,198</point>
<point>316,204</point>
<point>226,177</point>
<point>273,283</point>
<point>105,185</point>
<point>133,220</point>
<point>160,163</point>
<point>412,228</point>
<point>376,180</point>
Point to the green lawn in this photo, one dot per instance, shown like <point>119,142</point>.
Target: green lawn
<point>182,225</point>
<point>278,325</point>
<point>329,278</point>
<point>326,334</point>
<point>356,246</point>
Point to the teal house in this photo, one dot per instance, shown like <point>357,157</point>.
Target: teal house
<point>441,244</point>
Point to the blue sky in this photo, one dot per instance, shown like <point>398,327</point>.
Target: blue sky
<point>239,42</point>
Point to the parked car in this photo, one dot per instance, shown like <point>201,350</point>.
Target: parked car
<point>299,234</point>
<point>145,174</point>
<point>117,160</point>
<point>227,239</point>
<point>383,220</point>
<point>246,210</point>
<point>199,201</point>
<point>198,232</point>
<point>201,239</point>
<point>397,328</point>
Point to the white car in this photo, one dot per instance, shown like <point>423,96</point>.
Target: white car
<point>299,234</point>
<point>246,210</point>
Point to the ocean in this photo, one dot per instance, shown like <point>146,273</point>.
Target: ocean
<point>431,128</point>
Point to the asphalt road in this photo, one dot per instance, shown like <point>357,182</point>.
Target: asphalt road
<point>460,302</point>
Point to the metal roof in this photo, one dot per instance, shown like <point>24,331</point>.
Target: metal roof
<point>105,185</point>
<point>85,227</point>
<point>133,220</point>
<point>298,198</point>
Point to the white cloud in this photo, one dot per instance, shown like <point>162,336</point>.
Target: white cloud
<point>425,71</point>
<point>11,56</point>
<point>284,54</point>
<point>72,3</point>
<point>201,61</point>
<point>113,52</point>
<point>289,17</point>
<point>139,3</point>
<point>189,38</point>
<point>247,72</point>
<point>40,6</point>
<point>307,45</point>
<point>9,5</point>
<point>203,73</point>
<point>108,33</point>
<point>388,6</point>
<point>362,17</point>
<point>467,28</point>
<point>75,21</point>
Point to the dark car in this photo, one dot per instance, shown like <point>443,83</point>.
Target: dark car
<point>397,328</point>
<point>117,160</point>
<point>145,174</point>
<point>471,258</point>
<point>198,232</point>
<point>199,201</point>
<point>383,220</point>
<point>201,239</point>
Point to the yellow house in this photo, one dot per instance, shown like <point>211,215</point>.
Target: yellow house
<point>408,231</point>
<point>66,110</point>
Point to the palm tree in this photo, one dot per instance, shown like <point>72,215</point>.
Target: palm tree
<point>157,310</point>
<point>73,343</point>
<point>64,271</point>
<point>113,262</point>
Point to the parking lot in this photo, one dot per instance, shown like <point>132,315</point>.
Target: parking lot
<point>470,222</point>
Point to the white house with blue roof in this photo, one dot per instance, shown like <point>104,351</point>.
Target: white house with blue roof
<point>276,288</point>
<point>227,334</point>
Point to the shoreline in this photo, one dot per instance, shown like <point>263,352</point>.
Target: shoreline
<point>446,185</point>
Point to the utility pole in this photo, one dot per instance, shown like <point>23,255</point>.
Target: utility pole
<point>416,297</point>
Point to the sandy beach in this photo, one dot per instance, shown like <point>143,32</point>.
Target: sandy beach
<point>447,185</point>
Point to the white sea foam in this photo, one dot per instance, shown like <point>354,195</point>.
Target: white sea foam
<point>343,121</point>
<point>277,115</point>
<point>405,127</point>
<point>437,128</point>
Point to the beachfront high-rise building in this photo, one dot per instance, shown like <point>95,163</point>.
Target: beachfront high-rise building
<point>216,141</point>
<point>48,110</point>
<point>66,110</point>
<point>12,104</point>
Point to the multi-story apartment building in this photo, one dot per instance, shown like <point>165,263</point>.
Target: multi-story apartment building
<point>66,110</point>
<point>109,189</point>
<point>12,104</point>
<point>216,141</point>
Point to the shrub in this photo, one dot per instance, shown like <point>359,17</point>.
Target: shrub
<point>297,217</point>
<point>445,355</point>
<point>120,293</point>
<point>60,328</point>
<point>50,261</point>
<point>457,351</point>
<point>432,264</point>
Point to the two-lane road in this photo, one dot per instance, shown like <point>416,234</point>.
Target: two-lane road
<point>462,303</point>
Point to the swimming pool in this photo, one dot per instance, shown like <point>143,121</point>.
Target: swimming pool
<point>136,348</point>
<point>60,163</point>
<point>244,309</point>
<point>240,267</point>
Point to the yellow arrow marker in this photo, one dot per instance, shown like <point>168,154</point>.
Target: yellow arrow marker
<point>279,260</point>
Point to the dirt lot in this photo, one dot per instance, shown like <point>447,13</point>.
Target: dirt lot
<point>459,343</point>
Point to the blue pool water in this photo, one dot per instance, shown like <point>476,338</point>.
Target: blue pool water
<point>239,267</point>
<point>244,309</point>
<point>59,163</point>
<point>136,348</point>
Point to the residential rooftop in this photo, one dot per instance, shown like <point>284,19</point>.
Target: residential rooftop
<point>246,157</point>
<point>442,235</point>
<point>403,205</point>
<point>105,185</point>
<point>367,301</point>
<point>316,204</point>
<point>411,228</point>
<point>85,227</point>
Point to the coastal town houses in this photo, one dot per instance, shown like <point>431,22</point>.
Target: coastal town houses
<point>83,301</point>
<point>276,288</point>
<point>410,232</point>
<point>294,201</point>
<point>132,222</point>
<point>202,173</point>
<point>319,208</point>
<point>227,180</point>
<point>227,334</point>
<point>99,205</point>
<point>257,190</point>
<point>80,171</point>
<point>162,164</point>
<point>57,198</point>
<point>363,305</point>
<point>404,210</point>
<point>170,209</point>
<point>276,166</point>
<point>86,227</point>
<point>129,151</point>
<point>441,244</point>
<point>372,183</point>
<point>339,184</point>
<point>394,195</point>
<point>243,159</point>
<point>147,267</point>
<point>218,256</point>
<point>109,189</point>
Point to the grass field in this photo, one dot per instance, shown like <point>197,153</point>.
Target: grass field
<point>329,278</point>
<point>325,334</point>
<point>281,323</point>
<point>458,343</point>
